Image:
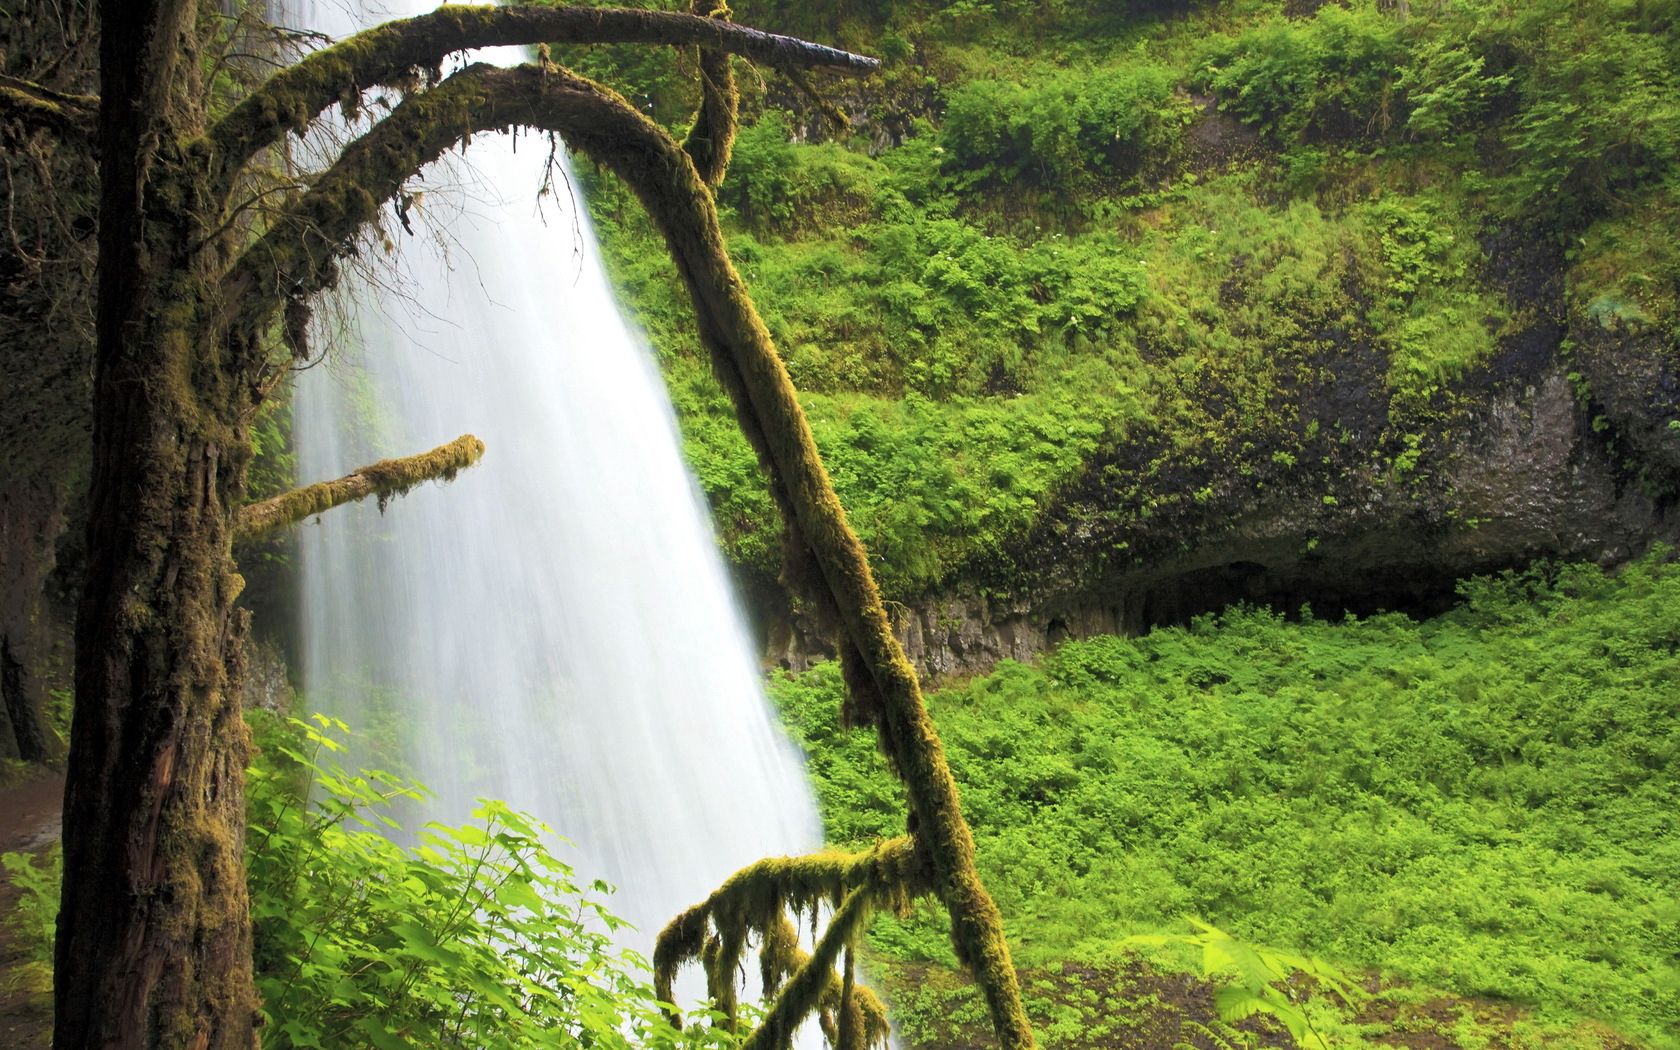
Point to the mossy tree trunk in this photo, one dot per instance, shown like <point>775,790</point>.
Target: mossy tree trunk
<point>154,945</point>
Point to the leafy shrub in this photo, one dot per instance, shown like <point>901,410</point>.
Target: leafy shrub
<point>776,186</point>
<point>1250,976</point>
<point>1481,803</point>
<point>1331,75</point>
<point>33,922</point>
<point>1065,131</point>
<point>474,936</point>
<point>1599,109</point>
<point>1448,87</point>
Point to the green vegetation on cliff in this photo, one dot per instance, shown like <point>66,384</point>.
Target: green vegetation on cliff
<point>1061,226</point>
<point>1481,804</point>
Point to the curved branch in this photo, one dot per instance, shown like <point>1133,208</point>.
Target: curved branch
<point>768,409</point>
<point>294,97</point>
<point>603,125</point>
<point>386,480</point>
<point>31,107</point>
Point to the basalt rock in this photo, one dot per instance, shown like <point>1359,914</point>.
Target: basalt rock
<point>1543,453</point>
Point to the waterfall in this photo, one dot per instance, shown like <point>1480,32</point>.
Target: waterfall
<point>556,627</point>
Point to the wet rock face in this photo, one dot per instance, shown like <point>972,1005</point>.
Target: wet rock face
<point>1518,473</point>
<point>1630,378</point>
<point>1564,445</point>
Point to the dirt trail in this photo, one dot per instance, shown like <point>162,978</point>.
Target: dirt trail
<point>29,821</point>
<point>30,813</point>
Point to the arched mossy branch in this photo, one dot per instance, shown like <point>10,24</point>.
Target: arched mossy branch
<point>826,557</point>
<point>389,53</point>
<point>297,258</point>
<point>384,480</point>
<point>746,361</point>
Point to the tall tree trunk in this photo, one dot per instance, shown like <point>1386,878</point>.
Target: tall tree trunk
<point>154,935</point>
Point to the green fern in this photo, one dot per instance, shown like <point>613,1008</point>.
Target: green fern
<point>1256,976</point>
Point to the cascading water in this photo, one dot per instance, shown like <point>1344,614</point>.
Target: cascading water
<point>556,627</point>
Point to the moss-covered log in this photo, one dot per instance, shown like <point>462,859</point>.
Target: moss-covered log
<point>385,480</point>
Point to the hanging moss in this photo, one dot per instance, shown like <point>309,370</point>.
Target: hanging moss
<point>756,897</point>
<point>385,480</point>
<point>711,138</point>
<point>812,987</point>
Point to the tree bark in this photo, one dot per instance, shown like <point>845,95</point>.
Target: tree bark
<point>154,942</point>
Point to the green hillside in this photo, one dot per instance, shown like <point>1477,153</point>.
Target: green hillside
<point>1056,227</point>
<point>1479,807</point>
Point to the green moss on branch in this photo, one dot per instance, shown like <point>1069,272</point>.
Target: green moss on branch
<point>755,901</point>
<point>711,139</point>
<point>385,480</point>
<point>823,551</point>
<point>29,107</point>
<point>391,52</point>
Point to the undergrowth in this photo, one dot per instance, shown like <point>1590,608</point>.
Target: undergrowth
<point>1482,803</point>
<point>470,935</point>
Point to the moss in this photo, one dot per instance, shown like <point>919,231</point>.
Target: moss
<point>711,138</point>
<point>388,54</point>
<point>754,901</point>
<point>27,107</point>
<point>384,480</point>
